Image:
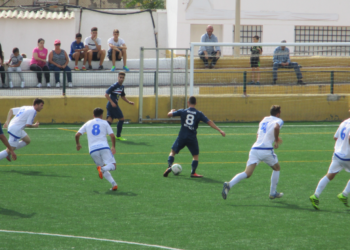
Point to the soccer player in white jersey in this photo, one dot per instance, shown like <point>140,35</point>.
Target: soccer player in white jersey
<point>97,130</point>
<point>340,161</point>
<point>262,150</point>
<point>24,118</point>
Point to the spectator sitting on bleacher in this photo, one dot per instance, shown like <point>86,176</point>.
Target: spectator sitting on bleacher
<point>14,65</point>
<point>93,44</point>
<point>206,52</point>
<point>59,60</point>
<point>281,60</point>
<point>38,63</point>
<point>117,50</point>
<point>78,51</point>
<point>2,69</point>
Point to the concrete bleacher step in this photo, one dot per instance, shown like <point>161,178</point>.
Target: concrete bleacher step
<point>236,75</point>
<point>266,61</point>
<point>275,89</point>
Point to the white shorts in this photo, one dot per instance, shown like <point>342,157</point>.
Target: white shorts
<point>258,155</point>
<point>338,165</point>
<point>14,140</point>
<point>103,157</point>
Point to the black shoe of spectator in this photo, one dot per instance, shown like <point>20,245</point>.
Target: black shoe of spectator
<point>90,67</point>
<point>301,82</point>
<point>101,67</point>
<point>206,66</point>
<point>212,66</point>
<point>274,81</point>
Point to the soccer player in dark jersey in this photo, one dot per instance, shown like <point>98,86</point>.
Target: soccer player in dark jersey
<point>190,118</point>
<point>113,93</point>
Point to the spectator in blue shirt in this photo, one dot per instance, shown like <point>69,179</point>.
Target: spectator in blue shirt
<point>78,51</point>
<point>209,52</point>
<point>281,60</point>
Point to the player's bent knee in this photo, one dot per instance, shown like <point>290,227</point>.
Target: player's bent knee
<point>248,174</point>
<point>331,176</point>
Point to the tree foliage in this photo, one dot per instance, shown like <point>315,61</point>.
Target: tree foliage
<point>145,4</point>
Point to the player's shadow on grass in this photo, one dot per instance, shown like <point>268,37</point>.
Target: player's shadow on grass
<point>117,193</point>
<point>33,173</point>
<point>292,206</point>
<point>9,212</point>
<point>135,143</point>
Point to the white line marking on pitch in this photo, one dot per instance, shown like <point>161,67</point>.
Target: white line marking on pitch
<point>156,127</point>
<point>89,238</point>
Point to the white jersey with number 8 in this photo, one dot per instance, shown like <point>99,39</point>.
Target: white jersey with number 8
<point>96,130</point>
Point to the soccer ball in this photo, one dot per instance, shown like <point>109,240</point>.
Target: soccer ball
<point>176,169</point>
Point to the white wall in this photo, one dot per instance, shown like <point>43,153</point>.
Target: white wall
<point>137,31</point>
<point>274,30</point>
<point>24,34</point>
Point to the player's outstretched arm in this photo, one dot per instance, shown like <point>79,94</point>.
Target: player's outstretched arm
<point>113,143</point>
<point>276,133</point>
<point>212,124</point>
<point>77,136</point>
<point>170,113</point>
<point>6,143</point>
<point>126,100</point>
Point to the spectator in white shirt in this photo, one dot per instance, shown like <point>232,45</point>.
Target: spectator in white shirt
<point>117,50</point>
<point>93,44</point>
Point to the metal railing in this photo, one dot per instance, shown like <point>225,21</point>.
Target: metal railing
<point>156,84</point>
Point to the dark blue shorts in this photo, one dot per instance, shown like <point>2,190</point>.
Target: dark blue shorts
<point>191,143</point>
<point>1,132</point>
<point>115,113</point>
<point>109,55</point>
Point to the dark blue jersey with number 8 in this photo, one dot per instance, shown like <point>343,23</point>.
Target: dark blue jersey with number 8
<point>189,121</point>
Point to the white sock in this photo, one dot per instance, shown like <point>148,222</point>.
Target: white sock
<point>347,189</point>
<point>321,185</point>
<point>109,178</point>
<point>3,154</point>
<point>237,178</point>
<point>109,167</point>
<point>274,181</point>
<point>21,144</point>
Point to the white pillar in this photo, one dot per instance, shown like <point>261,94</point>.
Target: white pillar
<point>237,26</point>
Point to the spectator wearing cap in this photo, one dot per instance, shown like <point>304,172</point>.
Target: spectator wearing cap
<point>281,59</point>
<point>59,60</point>
<point>38,63</point>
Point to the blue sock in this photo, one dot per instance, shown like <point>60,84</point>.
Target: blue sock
<point>170,161</point>
<point>119,128</point>
<point>194,166</point>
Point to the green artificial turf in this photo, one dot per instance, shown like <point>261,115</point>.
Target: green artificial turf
<point>54,189</point>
